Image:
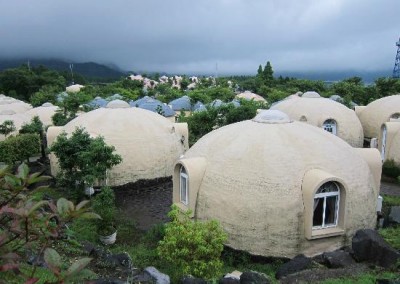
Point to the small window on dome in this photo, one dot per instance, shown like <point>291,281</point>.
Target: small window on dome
<point>184,186</point>
<point>395,116</point>
<point>330,126</point>
<point>303,118</point>
<point>326,206</point>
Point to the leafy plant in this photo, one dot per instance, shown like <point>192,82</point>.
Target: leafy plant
<point>7,127</point>
<point>192,247</point>
<point>83,159</point>
<point>27,224</point>
<point>19,148</point>
<point>104,205</point>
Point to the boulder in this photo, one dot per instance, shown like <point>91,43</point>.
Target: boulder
<point>159,278</point>
<point>394,215</point>
<point>298,263</point>
<point>253,277</point>
<point>369,246</point>
<point>192,280</point>
<point>231,278</point>
<point>337,259</point>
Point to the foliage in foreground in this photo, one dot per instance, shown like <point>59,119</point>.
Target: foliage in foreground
<point>34,226</point>
<point>19,148</point>
<point>192,247</point>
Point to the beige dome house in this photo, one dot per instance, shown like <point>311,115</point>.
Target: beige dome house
<point>324,113</point>
<point>148,143</point>
<point>74,88</point>
<point>275,188</point>
<point>9,103</point>
<point>389,141</point>
<point>247,95</point>
<point>376,113</point>
<point>19,119</point>
<point>44,112</point>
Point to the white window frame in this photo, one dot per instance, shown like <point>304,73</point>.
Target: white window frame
<point>324,196</point>
<point>183,190</point>
<point>330,125</point>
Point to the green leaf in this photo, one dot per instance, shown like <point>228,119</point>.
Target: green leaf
<point>82,204</point>
<point>37,205</point>
<point>90,215</point>
<point>52,257</point>
<point>64,206</point>
<point>23,171</point>
<point>77,266</point>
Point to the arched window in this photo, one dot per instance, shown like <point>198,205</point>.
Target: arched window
<point>326,206</point>
<point>303,118</point>
<point>330,126</point>
<point>395,116</point>
<point>184,186</point>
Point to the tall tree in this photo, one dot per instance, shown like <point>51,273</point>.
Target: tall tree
<point>268,72</point>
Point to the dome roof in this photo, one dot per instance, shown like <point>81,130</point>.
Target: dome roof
<point>182,103</point>
<point>250,178</point>
<point>378,112</point>
<point>247,95</point>
<point>98,102</point>
<point>148,143</point>
<point>19,119</point>
<point>317,110</point>
<point>217,103</point>
<point>74,88</point>
<point>118,104</point>
<point>310,94</point>
<point>140,101</point>
<point>157,106</point>
<point>44,112</point>
<point>199,106</point>
<point>8,103</point>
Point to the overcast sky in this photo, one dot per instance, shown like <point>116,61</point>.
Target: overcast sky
<point>193,36</point>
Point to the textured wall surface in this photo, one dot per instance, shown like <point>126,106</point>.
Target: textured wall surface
<point>378,112</point>
<point>45,112</point>
<point>317,110</point>
<point>252,184</point>
<point>147,142</point>
<point>392,141</point>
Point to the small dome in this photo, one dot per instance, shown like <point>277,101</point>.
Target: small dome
<point>182,103</point>
<point>272,116</point>
<point>118,104</point>
<point>247,95</point>
<point>47,105</point>
<point>310,94</point>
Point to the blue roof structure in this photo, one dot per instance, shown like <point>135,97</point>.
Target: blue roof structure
<point>140,101</point>
<point>157,106</point>
<point>115,97</point>
<point>97,102</point>
<point>236,103</point>
<point>61,97</point>
<point>182,103</point>
<point>217,103</point>
<point>199,106</point>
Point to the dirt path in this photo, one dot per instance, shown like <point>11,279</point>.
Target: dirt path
<point>390,188</point>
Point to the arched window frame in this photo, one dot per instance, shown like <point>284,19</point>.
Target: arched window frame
<point>183,186</point>
<point>330,125</point>
<point>323,200</point>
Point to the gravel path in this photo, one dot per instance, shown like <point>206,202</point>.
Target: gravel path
<point>390,188</point>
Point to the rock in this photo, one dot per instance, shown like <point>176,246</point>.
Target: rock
<point>192,280</point>
<point>394,216</point>
<point>231,278</point>
<point>119,260</point>
<point>387,281</point>
<point>337,259</point>
<point>159,277</point>
<point>297,264</point>
<point>369,246</point>
<point>253,277</point>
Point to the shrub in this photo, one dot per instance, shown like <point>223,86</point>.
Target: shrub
<point>19,148</point>
<point>104,205</point>
<point>391,169</point>
<point>192,247</point>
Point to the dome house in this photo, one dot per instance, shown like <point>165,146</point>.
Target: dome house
<point>275,189</point>
<point>324,113</point>
<point>148,143</point>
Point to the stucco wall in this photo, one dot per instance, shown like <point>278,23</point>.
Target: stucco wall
<point>378,112</point>
<point>252,184</point>
<point>392,141</point>
<point>148,143</point>
<point>317,110</point>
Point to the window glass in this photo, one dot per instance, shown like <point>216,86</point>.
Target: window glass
<point>326,206</point>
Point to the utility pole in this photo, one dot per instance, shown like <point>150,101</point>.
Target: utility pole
<point>396,69</point>
<point>71,67</point>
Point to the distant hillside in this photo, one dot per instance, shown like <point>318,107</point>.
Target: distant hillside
<point>87,69</point>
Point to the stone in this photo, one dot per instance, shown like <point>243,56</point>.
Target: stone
<point>369,246</point>
<point>189,279</point>
<point>388,281</point>
<point>159,277</point>
<point>337,259</point>
<point>298,263</point>
<point>122,260</point>
<point>394,216</point>
<point>231,278</point>
<point>254,277</point>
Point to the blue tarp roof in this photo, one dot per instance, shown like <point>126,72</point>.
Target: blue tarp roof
<point>98,102</point>
<point>199,106</point>
<point>182,103</point>
<point>139,101</point>
<point>155,105</point>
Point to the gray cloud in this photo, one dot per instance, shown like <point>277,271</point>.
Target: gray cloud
<point>192,36</point>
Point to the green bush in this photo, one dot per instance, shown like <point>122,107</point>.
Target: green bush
<point>19,148</point>
<point>104,205</point>
<point>391,169</point>
<point>192,247</point>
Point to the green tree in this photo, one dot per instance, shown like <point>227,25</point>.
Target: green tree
<point>36,127</point>
<point>19,148</point>
<point>83,159</point>
<point>47,93</point>
<point>192,247</point>
<point>268,73</point>
<point>260,71</point>
<point>7,127</point>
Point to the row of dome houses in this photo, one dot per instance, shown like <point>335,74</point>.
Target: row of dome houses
<point>295,179</point>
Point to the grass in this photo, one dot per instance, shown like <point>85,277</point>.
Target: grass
<point>390,200</point>
<point>392,236</point>
<point>367,278</point>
